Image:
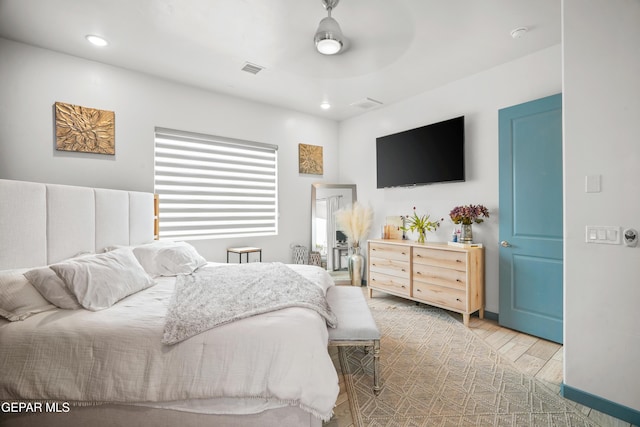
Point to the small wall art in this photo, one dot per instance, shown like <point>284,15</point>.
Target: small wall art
<point>310,159</point>
<point>84,129</point>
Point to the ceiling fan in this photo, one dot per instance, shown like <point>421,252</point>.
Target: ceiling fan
<point>329,39</point>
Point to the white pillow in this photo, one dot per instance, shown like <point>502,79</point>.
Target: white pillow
<point>18,299</point>
<point>47,282</point>
<point>168,258</point>
<point>99,281</point>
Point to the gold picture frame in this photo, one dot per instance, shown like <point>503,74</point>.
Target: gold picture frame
<point>84,129</point>
<point>310,159</point>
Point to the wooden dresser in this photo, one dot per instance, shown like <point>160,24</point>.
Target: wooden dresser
<point>437,274</point>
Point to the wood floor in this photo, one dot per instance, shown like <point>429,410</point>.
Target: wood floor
<point>537,357</point>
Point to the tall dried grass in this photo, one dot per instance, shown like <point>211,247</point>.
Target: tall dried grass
<point>355,222</point>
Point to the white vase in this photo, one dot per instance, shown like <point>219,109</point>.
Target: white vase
<point>356,266</point>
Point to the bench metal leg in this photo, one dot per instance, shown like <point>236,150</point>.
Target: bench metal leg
<point>376,367</point>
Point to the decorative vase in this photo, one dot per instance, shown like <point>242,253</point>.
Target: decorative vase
<point>356,266</point>
<point>421,235</point>
<point>466,234</point>
<point>300,254</point>
<point>315,258</point>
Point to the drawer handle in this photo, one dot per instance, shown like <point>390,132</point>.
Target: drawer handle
<point>404,269</point>
<point>458,280</point>
<point>403,253</point>
<point>419,256</point>
<point>458,299</point>
<point>418,272</point>
<point>458,260</point>
<point>373,249</point>
<point>403,286</point>
<point>419,290</point>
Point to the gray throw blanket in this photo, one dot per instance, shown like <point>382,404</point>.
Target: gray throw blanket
<point>216,295</point>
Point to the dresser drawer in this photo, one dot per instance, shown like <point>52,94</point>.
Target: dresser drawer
<point>395,252</point>
<point>385,282</point>
<point>440,258</point>
<point>390,267</point>
<point>440,295</point>
<point>440,276</point>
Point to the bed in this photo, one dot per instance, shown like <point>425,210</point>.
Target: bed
<point>110,367</point>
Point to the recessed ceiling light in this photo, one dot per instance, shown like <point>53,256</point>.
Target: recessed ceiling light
<point>96,40</point>
<point>325,105</point>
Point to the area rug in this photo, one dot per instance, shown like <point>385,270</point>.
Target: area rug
<point>435,372</point>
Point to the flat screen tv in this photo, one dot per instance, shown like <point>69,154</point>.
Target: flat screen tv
<point>425,155</point>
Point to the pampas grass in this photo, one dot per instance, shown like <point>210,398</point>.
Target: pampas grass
<point>355,222</point>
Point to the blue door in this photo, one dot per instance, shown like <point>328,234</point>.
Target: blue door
<point>530,149</point>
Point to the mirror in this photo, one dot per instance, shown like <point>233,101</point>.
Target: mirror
<point>326,238</point>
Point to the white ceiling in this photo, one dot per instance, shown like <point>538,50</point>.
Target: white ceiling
<point>397,48</point>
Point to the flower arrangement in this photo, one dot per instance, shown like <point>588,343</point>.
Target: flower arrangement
<point>422,224</point>
<point>468,214</point>
<point>355,222</point>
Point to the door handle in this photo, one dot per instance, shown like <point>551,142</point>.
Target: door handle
<point>505,244</point>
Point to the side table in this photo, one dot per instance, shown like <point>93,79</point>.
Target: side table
<point>244,250</point>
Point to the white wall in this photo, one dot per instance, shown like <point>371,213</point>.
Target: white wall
<point>601,49</point>
<point>33,79</point>
<point>478,98</point>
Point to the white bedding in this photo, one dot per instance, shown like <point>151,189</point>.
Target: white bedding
<point>116,355</point>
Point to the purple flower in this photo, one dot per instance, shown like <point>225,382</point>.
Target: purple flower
<point>468,214</point>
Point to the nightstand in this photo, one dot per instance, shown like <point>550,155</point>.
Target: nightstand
<point>244,250</point>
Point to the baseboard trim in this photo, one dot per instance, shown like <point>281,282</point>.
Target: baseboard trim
<point>491,315</point>
<point>603,405</point>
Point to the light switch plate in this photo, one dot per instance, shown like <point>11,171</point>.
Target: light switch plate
<point>592,183</point>
<point>603,234</point>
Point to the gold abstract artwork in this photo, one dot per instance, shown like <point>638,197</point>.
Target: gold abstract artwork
<point>84,129</point>
<point>310,159</point>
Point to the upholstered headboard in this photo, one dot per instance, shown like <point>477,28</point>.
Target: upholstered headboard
<point>44,223</point>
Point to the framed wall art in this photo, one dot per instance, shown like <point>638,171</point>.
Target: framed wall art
<point>310,159</point>
<point>84,129</point>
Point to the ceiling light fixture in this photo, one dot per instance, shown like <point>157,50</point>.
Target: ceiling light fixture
<point>329,38</point>
<point>96,40</point>
<point>325,105</point>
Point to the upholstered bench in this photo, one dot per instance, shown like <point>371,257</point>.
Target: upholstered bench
<point>356,326</point>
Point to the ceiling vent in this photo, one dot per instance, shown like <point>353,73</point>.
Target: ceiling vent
<point>252,68</point>
<point>366,103</point>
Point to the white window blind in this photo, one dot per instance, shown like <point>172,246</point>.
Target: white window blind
<point>213,187</point>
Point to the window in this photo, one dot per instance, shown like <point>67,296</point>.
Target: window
<point>213,187</point>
